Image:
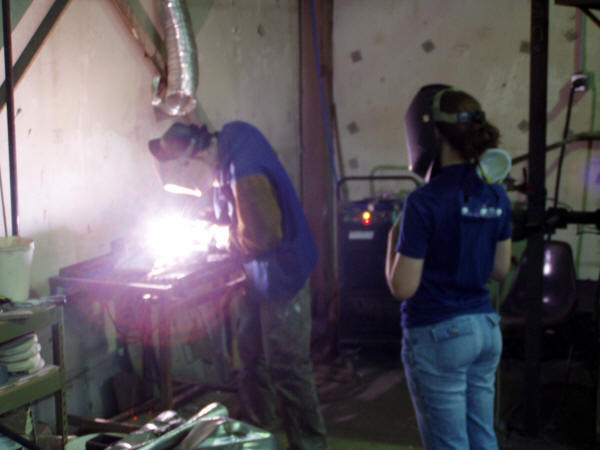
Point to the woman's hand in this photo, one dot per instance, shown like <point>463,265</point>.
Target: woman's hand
<point>392,243</point>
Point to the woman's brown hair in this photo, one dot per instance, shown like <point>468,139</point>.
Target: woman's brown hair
<point>469,139</point>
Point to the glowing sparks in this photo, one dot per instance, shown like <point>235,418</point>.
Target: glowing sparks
<point>175,189</point>
<point>172,239</point>
<point>221,236</point>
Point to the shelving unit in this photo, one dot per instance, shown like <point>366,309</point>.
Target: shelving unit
<point>50,379</point>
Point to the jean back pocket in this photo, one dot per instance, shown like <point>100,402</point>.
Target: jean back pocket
<point>452,329</point>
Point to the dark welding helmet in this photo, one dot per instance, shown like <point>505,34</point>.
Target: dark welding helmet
<point>180,140</point>
<point>423,142</point>
<point>174,152</point>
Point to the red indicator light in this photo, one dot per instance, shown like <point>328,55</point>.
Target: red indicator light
<point>366,218</point>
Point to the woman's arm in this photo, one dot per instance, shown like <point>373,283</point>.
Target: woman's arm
<point>392,242</point>
<point>501,266</point>
<point>403,273</point>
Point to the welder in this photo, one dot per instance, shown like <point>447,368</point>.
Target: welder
<point>254,194</point>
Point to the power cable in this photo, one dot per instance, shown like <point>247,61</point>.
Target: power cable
<point>322,90</point>
<point>4,221</point>
<point>563,148</point>
<point>579,137</point>
<point>594,92</point>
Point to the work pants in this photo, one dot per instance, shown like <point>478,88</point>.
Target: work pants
<point>274,348</point>
<point>450,370</point>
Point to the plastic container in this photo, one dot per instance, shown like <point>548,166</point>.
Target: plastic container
<point>16,256</point>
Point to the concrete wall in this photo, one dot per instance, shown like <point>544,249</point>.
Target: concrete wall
<point>386,49</point>
<point>248,59</point>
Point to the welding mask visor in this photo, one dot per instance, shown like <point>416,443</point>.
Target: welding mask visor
<point>176,159</point>
<point>423,143</point>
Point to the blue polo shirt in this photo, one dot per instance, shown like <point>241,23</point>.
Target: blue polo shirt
<point>280,274</point>
<point>458,249</point>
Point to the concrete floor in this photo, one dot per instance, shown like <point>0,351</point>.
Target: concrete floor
<point>371,407</point>
<point>366,405</point>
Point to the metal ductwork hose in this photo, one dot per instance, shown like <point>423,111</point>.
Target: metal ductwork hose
<point>176,96</point>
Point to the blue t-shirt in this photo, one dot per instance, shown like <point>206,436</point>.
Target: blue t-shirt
<point>280,274</point>
<point>458,247</point>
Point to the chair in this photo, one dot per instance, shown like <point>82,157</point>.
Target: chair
<point>559,290</point>
<point>558,309</point>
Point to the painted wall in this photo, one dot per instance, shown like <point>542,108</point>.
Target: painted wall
<point>384,50</point>
<point>83,120</point>
<point>248,59</point>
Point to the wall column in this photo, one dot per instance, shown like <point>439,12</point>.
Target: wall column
<point>317,179</point>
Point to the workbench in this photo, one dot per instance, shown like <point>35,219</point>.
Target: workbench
<point>208,280</point>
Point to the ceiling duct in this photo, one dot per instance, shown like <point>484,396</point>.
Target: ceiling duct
<point>176,96</point>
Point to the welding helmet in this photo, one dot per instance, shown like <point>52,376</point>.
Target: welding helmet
<point>175,154</point>
<point>422,138</point>
<point>180,140</point>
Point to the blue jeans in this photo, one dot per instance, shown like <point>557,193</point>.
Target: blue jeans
<point>450,369</point>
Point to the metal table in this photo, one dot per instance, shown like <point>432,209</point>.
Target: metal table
<point>216,276</point>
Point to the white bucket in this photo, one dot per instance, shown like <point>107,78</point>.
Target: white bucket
<point>16,255</point>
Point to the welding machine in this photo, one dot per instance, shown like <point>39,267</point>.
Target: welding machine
<point>368,313</point>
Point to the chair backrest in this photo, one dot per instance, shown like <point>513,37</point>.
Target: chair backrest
<point>559,292</point>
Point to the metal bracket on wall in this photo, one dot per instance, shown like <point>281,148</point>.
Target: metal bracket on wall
<point>34,45</point>
<point>591,15</point>
<point>585,6</point>
<point>144,32</point>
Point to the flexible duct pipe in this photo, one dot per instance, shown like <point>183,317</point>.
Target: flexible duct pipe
<point>178,97</point>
